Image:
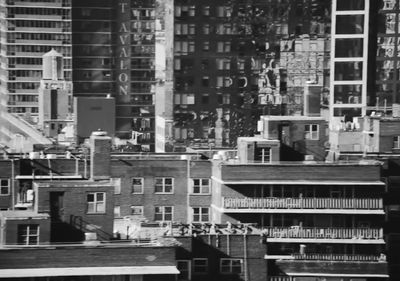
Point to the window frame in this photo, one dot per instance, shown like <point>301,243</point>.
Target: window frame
<point>194,266</point>
<point>396,142</point>
<point>230,267</point>
<point>96,202</point>
<point>163,213</point>
<point>117,211</point>
<point>201,214</point>
<point>4,186</point>
<point>163,185</point>
<point>201,186</point>
<point>28,235</point>
<point>310,134</point>
<point>141,187</point>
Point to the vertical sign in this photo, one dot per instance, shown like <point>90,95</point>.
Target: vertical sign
<point>123,52</point>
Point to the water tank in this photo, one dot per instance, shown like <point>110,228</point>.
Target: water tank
<point>51,156</point>
<point>53,66</point>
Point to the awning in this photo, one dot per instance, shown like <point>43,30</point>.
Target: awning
<point>87,271</point>
<point>298,182</point>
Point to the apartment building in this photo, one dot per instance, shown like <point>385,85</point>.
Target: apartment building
<point>237,60</point>
<point>30,29</point>
<point>320,219</point>
<point>114,55</point>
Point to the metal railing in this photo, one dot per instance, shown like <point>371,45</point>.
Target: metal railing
<point>323,233</point>
<point>302,203</point>
<point>340,257</point>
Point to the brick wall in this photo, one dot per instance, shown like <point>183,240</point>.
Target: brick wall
<point>87,256</point>
<point>149,170</point>
<point>213,247</point>
<point>301,172</point>
<point>75,201</point>
<point>11,229</point>
<point>6,173</point>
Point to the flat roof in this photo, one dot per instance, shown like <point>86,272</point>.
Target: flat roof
<point>290,118</point>
<point>298,182</point>
<point>87,271</point>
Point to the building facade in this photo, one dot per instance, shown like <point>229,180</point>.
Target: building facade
<point>235,61</point>
<point>114,55</point>
<point>30,29</point>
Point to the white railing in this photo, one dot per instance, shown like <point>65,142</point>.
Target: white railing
<point>340,257</point>
<point>323,233</point>
<point>281,278</point>
<point>302,203</point>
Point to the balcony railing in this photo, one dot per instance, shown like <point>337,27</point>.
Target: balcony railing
<point>303,203</point>
<point>323,233</point>
<point>281,278</point>
<point>340,257</point>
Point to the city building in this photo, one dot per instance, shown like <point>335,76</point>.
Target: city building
<point>29,30</point>
<point>114,55</point>
<point>237,60</point>
<point>320,219</point>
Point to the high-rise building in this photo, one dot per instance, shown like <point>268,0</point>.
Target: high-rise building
<point>236,60</point>
<point>114,54</point>
<point>28,30</point>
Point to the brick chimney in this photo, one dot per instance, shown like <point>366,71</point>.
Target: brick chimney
<point>100,150</point>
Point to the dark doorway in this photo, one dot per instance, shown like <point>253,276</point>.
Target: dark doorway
<point>57,206</point>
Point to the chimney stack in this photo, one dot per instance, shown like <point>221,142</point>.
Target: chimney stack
<point>100,150</point>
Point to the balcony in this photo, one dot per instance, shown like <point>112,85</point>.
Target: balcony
<point>331,265</point>
<point>340,257</point>
<point>325,235</point>
<point>303,205</point>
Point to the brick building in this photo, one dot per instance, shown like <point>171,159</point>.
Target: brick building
<point>318,219</point>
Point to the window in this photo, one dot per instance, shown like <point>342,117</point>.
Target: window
<point>263,154</point>
<point>96,202</point>
<point>117,211</point>
<point>206,10</point>
<point>311,132</point>
<point>28,234</point>
<point>206,45</point>
<point>201,214</point>
<point>164,185</point>
<point>205,81</point>
<point>223,47</point>
<point>184,99</point>
<point>223,64</point>
<point>137,185</point>
<point>184,269</point>
<point>163,213</point>
<point>206,28</point>
<point>201,186</point>
<point>200,266</point>
<point>137,210</point>
<point>4,186</point>
<point>205,98</point>
<point>117,185</point>
<point>226,98</point>
<point>229,266</point>
<point>396,142</point>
